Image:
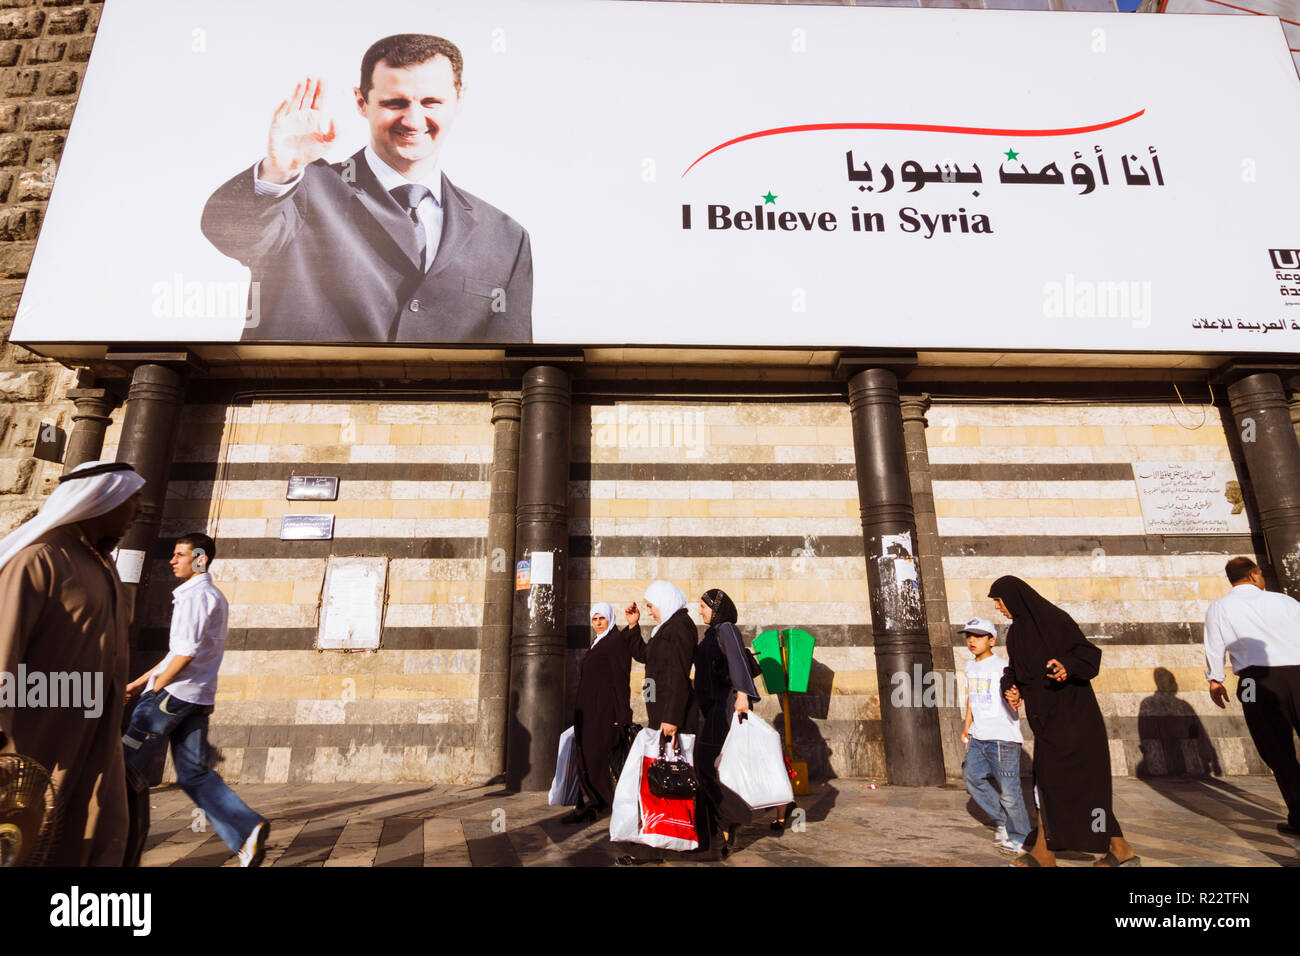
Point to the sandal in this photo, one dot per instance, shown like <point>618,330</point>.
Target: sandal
<point>1024,860</point>
<point>1111,860</point>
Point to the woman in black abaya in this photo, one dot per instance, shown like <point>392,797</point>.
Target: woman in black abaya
<point>1050,668</point>
<point>723,686</point>
<point>602,711</point>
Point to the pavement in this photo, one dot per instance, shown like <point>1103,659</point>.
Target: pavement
<point>1171,822</point>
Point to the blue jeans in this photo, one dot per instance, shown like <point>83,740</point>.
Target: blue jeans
<point>1000,759</point>
<point>158,718</point>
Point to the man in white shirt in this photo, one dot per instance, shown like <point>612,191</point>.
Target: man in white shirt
<point>178,699</point>
<point>1260,632</point>
<point>380,247</point>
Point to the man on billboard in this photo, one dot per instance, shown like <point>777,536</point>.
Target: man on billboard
<point>380,247</point>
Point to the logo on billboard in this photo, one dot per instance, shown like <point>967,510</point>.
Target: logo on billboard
<point>1286,270</point>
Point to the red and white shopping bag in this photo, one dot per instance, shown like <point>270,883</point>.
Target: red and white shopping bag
<point>640,816</point>
<point>669,818</point>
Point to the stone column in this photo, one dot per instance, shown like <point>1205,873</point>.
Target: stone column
<point>1294,406</point>
<point>149,426</point>
<point>930,558</point>
<point>89,422</point>
<point>904,666</point>
<point>499,592</point>
<point>536,709</point>
<point>1268,443</point>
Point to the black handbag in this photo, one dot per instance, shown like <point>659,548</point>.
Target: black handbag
<point>672,779</point>
<point>618,756</point>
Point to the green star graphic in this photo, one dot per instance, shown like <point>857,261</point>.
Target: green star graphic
<point>769,198</point>
<point>1012,154</point>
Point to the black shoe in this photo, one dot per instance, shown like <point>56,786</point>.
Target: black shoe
<point>630,860</point>
<point>729,845</point>
<point>579,816</point>
<point>779,825</point>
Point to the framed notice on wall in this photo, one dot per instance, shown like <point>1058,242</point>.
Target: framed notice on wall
<point>352,603</point>
<point>1190,497</point>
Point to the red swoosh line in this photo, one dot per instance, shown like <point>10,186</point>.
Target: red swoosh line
<point>918,128</point>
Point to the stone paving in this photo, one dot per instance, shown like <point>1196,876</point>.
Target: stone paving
<point>1227,821</point>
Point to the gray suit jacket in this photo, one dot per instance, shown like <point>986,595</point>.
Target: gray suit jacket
<point>336,260</point>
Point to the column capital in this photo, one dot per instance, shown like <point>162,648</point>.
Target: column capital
<point>505,406</point>
<point>914,407</point>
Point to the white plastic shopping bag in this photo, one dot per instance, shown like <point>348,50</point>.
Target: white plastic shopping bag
<point>564,788</point>
<point>627,815</point>
<point>753,765</point>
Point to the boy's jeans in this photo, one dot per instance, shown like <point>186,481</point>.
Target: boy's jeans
<point>161,717</point>
<point>999,758</point>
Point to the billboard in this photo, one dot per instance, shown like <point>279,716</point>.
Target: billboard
<point>674,174</point>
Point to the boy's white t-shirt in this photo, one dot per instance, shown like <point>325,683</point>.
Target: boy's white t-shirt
<point>993,717</point>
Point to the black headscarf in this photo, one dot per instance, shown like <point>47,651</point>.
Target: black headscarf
<point>723,623</point>
<point>721,606</point>
<point>1040,631</point>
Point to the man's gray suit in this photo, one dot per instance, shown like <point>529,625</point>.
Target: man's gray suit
<point>336,261</point>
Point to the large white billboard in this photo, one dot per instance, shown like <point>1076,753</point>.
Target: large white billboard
<point>674,174</point>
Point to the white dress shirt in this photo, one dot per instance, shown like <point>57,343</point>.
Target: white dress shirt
<point>429,211</point>
<point>1256,628</point>
<point>199,614</point>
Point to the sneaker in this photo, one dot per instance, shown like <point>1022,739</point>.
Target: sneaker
<point>254,849</point>
<point>1001,835</point>
<point>1011,847</point>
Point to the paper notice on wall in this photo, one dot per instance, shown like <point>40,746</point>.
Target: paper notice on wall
<point>352,607</point>
<point>130,565</point>
<point>543,567</point>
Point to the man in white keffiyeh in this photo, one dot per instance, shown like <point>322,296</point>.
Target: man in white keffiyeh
<point>64,623</point>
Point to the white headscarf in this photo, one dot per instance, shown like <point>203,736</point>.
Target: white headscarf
<point>605,610</point>
<point>76,499</point>
<point>668,598</point>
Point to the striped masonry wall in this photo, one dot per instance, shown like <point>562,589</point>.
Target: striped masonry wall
<point>1047,492</point>
<point>757,498</point>
<point>413,486</point>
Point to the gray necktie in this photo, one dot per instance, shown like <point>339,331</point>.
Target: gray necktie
<point>409,197</point>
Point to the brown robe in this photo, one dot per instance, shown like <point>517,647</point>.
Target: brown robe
<point>64,609</point>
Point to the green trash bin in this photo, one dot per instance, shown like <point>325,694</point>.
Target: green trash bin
<point>767,648</point>
<point>792,674</point>
<point>799,652</point>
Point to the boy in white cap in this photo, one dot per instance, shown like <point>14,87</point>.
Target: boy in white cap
<point>992,737</point>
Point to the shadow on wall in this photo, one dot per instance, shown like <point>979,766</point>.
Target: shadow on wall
<point>1173,740</point>
<point>518,740</point>
<point>805,710</point>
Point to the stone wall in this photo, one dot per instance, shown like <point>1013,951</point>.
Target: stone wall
<point>413,487</point>
<point>756,498</point>
<point>44,47</point>
<point>1046,492</point>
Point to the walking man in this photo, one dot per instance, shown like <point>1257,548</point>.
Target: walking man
<point>1260,631</point>
<point>64,614</point>
<point>177,700</point>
